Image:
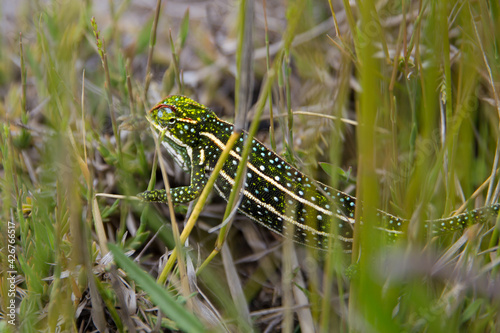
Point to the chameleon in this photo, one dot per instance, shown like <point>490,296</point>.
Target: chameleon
<point>275,194</point>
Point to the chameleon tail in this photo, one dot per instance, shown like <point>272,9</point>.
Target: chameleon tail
<point>461,221</point>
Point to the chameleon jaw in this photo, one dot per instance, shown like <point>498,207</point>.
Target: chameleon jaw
<point>165,136</point>
<point>163,131</point>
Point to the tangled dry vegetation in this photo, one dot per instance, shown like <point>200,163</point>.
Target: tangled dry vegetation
<point>393,101</point>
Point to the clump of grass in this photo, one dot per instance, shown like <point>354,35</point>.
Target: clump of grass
<point>403,97</point>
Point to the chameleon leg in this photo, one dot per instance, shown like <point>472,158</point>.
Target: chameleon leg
<point>179,194</point>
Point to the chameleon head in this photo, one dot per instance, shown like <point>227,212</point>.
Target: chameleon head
<point>180,118</point>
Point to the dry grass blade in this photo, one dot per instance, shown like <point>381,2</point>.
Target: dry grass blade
<point>234,284</point>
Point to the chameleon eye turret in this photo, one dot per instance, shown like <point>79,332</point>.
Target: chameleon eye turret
<point>275,194</point>
<point>163,115</point>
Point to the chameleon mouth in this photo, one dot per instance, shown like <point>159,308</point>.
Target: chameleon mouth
<point>155,124</point>
<point>163,131</point>
<point>151,121</point>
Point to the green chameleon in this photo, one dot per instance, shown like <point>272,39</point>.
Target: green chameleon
<point>275,194</point>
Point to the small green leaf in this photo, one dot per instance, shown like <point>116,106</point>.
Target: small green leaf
<point>330,170</point>
<point>472,310</point>
<point>327,167</point>
<point>109,210</point>
<point>184,29</point>
<point>143,38</point>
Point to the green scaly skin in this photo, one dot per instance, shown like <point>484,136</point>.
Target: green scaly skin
<point>275,194</point>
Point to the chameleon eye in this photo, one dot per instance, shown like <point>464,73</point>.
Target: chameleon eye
<point>162,110</point>
<point>172,121</point>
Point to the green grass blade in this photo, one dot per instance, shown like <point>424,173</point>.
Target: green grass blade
<point>162,298</point>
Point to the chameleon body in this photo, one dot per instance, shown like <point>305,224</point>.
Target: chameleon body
<point>275,194</point>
